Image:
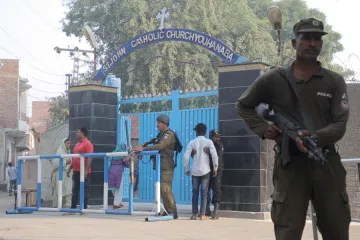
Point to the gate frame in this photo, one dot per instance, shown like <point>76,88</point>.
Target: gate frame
<point>174,114</point>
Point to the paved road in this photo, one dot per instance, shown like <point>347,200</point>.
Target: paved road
<point>50,226</point>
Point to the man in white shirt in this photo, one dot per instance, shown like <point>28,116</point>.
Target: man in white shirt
<point>200,169</point>
<point>12,172</point>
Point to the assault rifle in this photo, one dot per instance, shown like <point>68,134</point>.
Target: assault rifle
<point>292,128</point>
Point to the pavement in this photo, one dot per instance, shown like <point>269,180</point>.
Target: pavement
<point>54,226</point>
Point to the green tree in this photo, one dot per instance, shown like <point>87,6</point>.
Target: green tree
<point>159,68</point>
<point>293,11</point>
<point>59,110</point>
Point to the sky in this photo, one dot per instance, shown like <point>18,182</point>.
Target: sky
<point>30,29</point>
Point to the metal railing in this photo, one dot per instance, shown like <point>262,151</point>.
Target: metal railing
<point>313,214</point>
<point>24,209</point>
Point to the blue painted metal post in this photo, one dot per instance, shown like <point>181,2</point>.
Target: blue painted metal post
<point>131,195</point>
<point>106,185</point>
<point>19,182</point>
<point>82,184</point>
<point>38,204</point>
<point>60,182</point>
<point>157,185</point>
<point>157,196</point>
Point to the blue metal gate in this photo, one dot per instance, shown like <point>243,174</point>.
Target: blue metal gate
<point>182,123</point>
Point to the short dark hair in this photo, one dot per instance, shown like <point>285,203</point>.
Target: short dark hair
<point>200,129</point>
<point>10,164</point>
<point>84,131</point>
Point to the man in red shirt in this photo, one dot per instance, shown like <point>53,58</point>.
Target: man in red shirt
<point>82,146</point>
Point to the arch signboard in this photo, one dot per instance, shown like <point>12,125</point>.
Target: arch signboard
<point>169,34</point>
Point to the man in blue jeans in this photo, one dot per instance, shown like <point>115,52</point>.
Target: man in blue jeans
<point>12,172</point>
<point>200,169</point>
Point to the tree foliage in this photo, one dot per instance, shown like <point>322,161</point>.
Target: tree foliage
<point>59,111</point>
<point>159,68</point>
<point>293,11</point>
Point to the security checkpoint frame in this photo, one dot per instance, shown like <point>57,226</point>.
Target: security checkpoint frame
<point>155,212</point>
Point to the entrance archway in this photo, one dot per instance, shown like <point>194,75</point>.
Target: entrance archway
<point>169,34</point>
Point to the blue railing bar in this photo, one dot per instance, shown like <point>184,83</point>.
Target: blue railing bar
<point>28,209</point>
<point>198,94</point>
<point>350,160</point>
<point>149,152</point>
<point>150,99</point>
<point>117,212</point>
<point>117,154</point>
<point>112,154</point>
<point>35,157</point>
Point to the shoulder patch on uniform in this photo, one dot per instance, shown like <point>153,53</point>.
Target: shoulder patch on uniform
<point>345,102</point>
<point>166,136</point>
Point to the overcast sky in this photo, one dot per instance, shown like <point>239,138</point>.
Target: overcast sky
<point>30,29</point>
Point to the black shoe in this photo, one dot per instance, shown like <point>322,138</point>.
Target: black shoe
<point>174,215</point>
<point>215,215</point>
<point>208,211</point>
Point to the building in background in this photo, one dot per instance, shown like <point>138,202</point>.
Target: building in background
<point>39,123</point>
<point>14,117</point>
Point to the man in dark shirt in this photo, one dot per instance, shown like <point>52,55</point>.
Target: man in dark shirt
<point>215,181</point>
<point>299,179</point>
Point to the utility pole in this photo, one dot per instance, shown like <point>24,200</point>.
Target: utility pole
<point>75,54</point>
<point>67,84</point>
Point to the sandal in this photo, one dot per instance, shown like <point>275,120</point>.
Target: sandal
<point>203,217</point>
<point>118,206</point>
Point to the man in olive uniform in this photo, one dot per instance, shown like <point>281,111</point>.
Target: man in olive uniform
<point>298,178</point>
<point>165,143</point>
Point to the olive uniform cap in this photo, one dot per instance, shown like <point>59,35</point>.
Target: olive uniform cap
<point>163,118</point>
<point>309,25</point>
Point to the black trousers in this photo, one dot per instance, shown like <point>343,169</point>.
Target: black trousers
<point>76,190</point>
<point>302,180</point>
<point>215,186</point>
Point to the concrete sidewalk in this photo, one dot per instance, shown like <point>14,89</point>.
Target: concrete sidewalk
<point>53,226</point>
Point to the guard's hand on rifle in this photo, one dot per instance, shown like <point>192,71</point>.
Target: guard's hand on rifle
<point>207,150</point>
<point>138,149</point>
<point>193,152</point>
<point>272,132</point>
<point>299,142</point>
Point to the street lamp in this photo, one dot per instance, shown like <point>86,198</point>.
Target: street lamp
<point>274,15</point>
<point>90,37</point>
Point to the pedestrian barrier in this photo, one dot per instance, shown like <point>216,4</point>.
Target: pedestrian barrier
<point>154,215</point>
<point>312,211</point>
